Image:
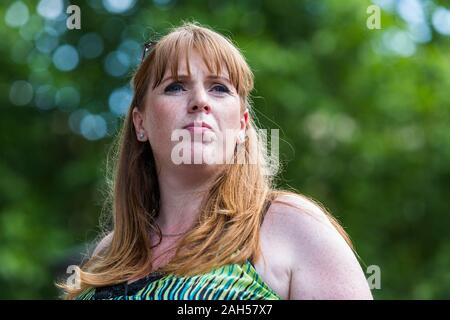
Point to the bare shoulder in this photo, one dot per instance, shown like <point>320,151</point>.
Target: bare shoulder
<point>295,211</point>
<point>321,263</point>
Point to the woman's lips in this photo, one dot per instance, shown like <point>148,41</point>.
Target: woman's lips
<point>197,129</point>
<point>200,129</point>
<point>197,124</point>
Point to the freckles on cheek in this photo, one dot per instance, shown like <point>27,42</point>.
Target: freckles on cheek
<point>162,117</point>
<point>156,111</point>
<point>231,118</point>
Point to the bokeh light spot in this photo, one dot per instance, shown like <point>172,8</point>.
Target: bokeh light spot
<point>17,14</point>
<point>441,20</point>
<point>93,127</point>
<point>65,58</point>
<point>118,6</point>
<point>119,101</point>
<point>45,97</point>
<point>117,63</point>
<point>90,45</point>
<point>67,98</point>
<point>50,9</point>
<point>21,93</point>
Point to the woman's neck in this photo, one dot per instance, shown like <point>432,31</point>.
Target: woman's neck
<point>181,195</point>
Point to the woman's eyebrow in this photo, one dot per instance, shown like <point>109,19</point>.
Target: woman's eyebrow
<point>187,77</point>
<point>219,77</point>
<point>180,76</point>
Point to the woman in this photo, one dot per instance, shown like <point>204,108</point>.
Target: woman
<point>198,219</point>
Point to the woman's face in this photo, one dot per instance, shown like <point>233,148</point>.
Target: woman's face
<point>175,112</point>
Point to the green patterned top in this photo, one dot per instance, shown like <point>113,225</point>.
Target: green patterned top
<point>229,282</point>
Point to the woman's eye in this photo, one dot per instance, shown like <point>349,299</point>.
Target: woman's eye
<point>221,88</point>
<point>174,87</point>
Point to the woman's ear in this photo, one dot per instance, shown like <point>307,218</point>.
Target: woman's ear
<point>244,123</point>
<point>138,121</point>
<point>244,119</point>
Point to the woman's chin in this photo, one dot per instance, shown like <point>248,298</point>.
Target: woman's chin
<point>198,153</point>
<point>203,155</point>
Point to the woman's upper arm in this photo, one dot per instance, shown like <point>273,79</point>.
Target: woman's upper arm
<point>323,264</point>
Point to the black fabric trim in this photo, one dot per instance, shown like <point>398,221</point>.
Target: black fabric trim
<point>125,289</point>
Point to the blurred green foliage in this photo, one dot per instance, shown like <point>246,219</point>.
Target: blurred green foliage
<point>363,116</point>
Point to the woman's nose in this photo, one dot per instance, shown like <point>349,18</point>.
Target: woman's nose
<point>199,101</point>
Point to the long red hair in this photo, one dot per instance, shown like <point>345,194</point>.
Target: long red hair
<point>231,215</point>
